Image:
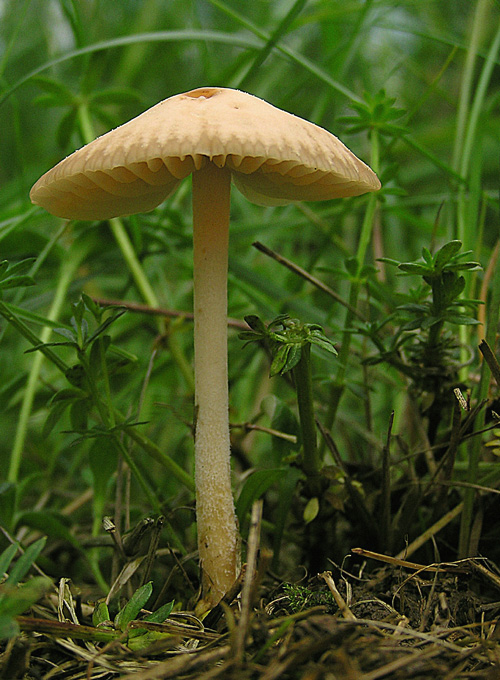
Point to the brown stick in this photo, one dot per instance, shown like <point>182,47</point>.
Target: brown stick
<point>138,308</point>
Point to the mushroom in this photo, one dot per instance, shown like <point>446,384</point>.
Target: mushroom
<point>218,135</point>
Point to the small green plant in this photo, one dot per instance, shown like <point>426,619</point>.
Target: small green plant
<point>376,112</point>
<point>131,625</point>
<point>424,344</point>
<point>302,597</point>
<point>289,342</point>
<point>89,377</point>
<point>14,275</point>
<point>136,637</point>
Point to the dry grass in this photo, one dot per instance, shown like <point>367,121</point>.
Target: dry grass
<point>401,620</point>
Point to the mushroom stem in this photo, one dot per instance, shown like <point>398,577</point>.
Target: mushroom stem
<point>217,532</point>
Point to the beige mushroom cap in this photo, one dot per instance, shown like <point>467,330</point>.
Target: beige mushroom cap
<point>274,158</point>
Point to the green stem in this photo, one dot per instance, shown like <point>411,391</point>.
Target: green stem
<point>311,462</point>
<point>157,454</point>
<point>466,218</point>
<point>338,385</point>
<point>467,81</point>
<point>68,268</point>
<point>122,449</point>
<point>367,227</point>
<point>129,255</point>
<point>105,379</point>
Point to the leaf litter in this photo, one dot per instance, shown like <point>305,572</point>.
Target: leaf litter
<point>397,620</point>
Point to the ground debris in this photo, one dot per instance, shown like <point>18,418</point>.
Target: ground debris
<point>402,625</point>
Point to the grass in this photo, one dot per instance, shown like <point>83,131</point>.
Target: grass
<point>102,423</point>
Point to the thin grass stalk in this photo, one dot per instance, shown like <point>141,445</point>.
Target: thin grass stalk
<point>182,35</point>
<point>476,442</point>
<point>478,103</point>
<point>478,22</point>
<point>338,385</point>
<point>13,38</point>
<point>132,59</point>
<point>33,271</point>
<point>294,56</point>
<point>68,267</point>
<point>273,40</point>
<point>156,453</point>
<point>466,217</point>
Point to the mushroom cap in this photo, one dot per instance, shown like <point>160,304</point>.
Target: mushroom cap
<point>274,158</point>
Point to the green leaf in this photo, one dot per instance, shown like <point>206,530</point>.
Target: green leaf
<point>100,613</point>
<point>414,268</point>
<point>311,510</point>
<point>460,319</point>
<point>98,346</point>
<point>414,308</point>
<point>95,309</point>
<point>17,599</point>
<point>25,561</point>
<point>59,92</point>
<point>78,312</point>
<point>351,265</point>
<point>426,254</point>
<point>255,487</point>
<point>6,558</point>
<point>55,414</point>
<point>412,325</point>
<point>161,614</point>
<point>106,323</point>
<point>446,253</point>
<point>132,609</point>
<point>50,523</point>
<point>69,335</point>
<point>36,348</point>
<point>138,638</point>
<point>389,260</point>
<point>16,282</point>
<point>79,412</point>
<point>66,128</point>
<point>75,375</point>
<point>320,340</point>
<point>293,358</point>
<point>465,266</point>
<point>18,267</point>
<point>256,324</point>
<point>279,360</point>
<point>11,276</point>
